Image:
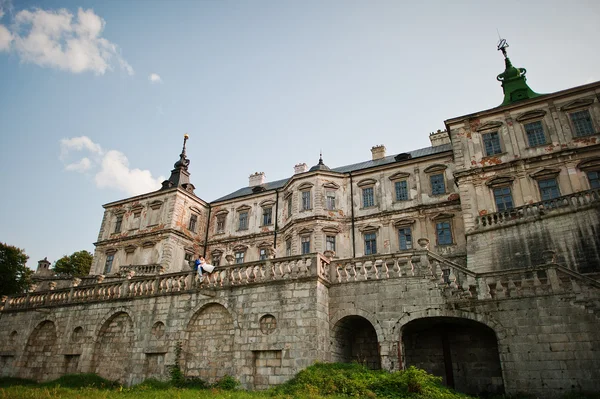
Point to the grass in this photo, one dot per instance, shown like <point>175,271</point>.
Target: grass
<point>331,381</point>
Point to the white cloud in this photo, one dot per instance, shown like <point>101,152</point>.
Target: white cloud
<point>115,173</point>
<point>5,38</point>
<point>58,39</point>
<point>154,78</point>
<point>111,167</point>
<point>81,166</point>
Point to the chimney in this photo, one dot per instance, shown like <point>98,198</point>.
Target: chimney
<point>378,152</point>
<point>300,168</point>
<point>43,267</point>
<point>257,179</point>
<point>439,138</point>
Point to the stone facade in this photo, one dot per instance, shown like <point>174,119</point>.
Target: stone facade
<point>476,259</point>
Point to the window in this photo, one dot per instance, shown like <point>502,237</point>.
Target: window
<point>118,224</point>
<point>188,257</point>
<point>594,179</point>
<point>216,260</point>
<point>444,233</point>
<point>535,133</point>
<point>368,199</point>
<point>243,225</point>
<point>137,217</point>
<point>405,237</point>
<point>239,256</point>
<point>401,190</point>
<point>438,186</point>
<point>330,200</point>
<point>491,144</point>
<point>305,245</point>
<point>267,216</point>
<point>330,243</point>
<point>262,254</point>
<point>370,244</point>
<point>108,263</point>
<point>548,189</point>
<point>306,200</point>
<point>503,198</point>
<point>288,247</point>
<point>193,221</point>
<point>289,206</point>
<point>582,123</point>
<point>221,223</point>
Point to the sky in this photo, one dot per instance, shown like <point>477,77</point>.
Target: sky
<point>95,96</point>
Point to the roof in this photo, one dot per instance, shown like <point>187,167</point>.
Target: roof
<point>422,152</point>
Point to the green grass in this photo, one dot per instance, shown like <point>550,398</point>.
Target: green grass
<point>320,381</point>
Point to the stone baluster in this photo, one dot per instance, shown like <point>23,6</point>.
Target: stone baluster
<point>499,290</point>
<point>526,289</point>
<point>483,290</point>
<point>537,284</point>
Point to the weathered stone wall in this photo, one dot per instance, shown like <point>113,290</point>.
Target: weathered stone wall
<point>521,243</point>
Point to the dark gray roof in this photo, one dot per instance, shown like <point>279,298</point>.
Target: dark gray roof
<point>422,152</point>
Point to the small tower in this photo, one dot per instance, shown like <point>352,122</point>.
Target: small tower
<point>43,268</point>
<point>180,177</point>
<point>513,80</point>
<point>320,165</point>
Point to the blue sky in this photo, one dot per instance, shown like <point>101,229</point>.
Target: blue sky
<point>95,96</point>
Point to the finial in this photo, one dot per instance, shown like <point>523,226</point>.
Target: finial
<point>185,138</point>
<point>320,157</point>
<point>502,46</point>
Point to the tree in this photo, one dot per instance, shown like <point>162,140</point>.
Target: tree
<point>76,264</point>
<point>14,274</point>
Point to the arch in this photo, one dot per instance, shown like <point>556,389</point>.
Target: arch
<point>464,352</point>
<point>337,316</point>
<point>40,359</point>
<point>208,350</point>
<point>113,350</point>
<point>110,314</point>
<point>354,339</point>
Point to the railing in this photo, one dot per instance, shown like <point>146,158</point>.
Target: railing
<point>141,269</point>
<point>142,286</point>
<point>565,203</point>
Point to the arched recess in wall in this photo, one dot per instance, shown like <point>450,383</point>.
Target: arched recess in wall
<point>208,349</point>
<point>114,348</point>
<point>463,352</point>
<point>354,339</point>
<point>40,355</point>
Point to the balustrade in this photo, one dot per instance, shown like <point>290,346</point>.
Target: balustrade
<point>566,202</point>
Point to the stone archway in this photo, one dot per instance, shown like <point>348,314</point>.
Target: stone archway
<point>461,351</point>
<point>208,352</point>
<point>40,359</point>
<point>114,348</point>
<point>354,339</point>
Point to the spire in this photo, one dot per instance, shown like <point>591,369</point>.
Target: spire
<point>514,83</point>
<point>180,177</point>
<point>320,165</point>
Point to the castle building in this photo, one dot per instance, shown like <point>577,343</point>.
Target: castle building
<point>476,258</point>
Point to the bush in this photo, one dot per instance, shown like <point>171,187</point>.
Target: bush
<point>227,383</point>
<point>152,383</point>
<point>195,383</point>
<point>13,381</point>
<point>86,380</point>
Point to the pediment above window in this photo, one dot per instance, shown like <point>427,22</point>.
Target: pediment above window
<point>265,244</point>
<point>399,176</point>
<point>537,114</point>
<point>222,212</point>
<point>331,229</point>
<point>130,249</point>
<point>545,173</point>
<point>305,186</point>
<point>305,231</point>
<point>443,216</point>
<point>366,183</point>
<point>579,103</point>
<point>137,208</point>
<point>500,181</point>
<point>435,168</point>
<point>119,212</point>
<point>404,222</point>
<point>217,252</point>
<point>155,204</point>
<point>331,185</point>
<point>492,125</point>
<point>590,164</point>
<point>243,208</point>
<point>286,194</point>
<point>189,250</point>
<point>368,228</point>
<point>110,251</point>
<point>195,209</point>
<point>240,248</point>
<point>148,244</point>
<point>267,203</point>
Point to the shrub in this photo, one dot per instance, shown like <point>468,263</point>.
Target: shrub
<point>152,383</point>
<point>227,383</point>
<point>13,381</point>
<point>85,380</point>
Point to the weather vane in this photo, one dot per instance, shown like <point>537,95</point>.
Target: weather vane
<point>502,45</point>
